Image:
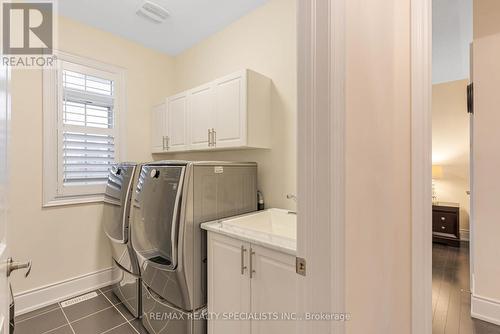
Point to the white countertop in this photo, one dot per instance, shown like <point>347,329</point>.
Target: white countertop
<point>272,228</point>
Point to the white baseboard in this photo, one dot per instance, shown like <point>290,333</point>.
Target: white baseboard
<point>464,235</point>
<point>31,300</point>
<point>485,309</point>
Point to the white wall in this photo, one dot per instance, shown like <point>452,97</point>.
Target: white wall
<point>450,146</point>
<point>68,241</point>
<point>264,41</point>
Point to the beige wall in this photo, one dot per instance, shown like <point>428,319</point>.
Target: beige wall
<point>450,145</point>
<point>486,155</point>
<point>65,242</point>
<point>68,241</point>
<point>486,18</point>
<point>378,156</point>
<point>264,41</point>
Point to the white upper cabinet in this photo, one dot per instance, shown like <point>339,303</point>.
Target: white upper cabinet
<point>177,121</point>
<point>158,128</point>
<point>230,112</point>
<point>169,125</point>
<point>200,116</point>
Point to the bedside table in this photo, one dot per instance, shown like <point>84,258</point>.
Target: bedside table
<point>446,223</point>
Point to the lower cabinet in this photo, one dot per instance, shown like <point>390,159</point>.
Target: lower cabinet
<point>228,284</point>
<point>273,290</point>
<point>251,289</point>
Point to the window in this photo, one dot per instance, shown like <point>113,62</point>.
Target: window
<point>82,108</point>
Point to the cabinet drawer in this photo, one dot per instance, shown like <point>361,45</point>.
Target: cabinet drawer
<point>444,222</point>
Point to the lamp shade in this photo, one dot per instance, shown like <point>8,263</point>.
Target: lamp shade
<point>437,171</point>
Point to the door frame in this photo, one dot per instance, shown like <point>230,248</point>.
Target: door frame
<point>5,323</point>
<point>321,163</point>
<point>421,165</point>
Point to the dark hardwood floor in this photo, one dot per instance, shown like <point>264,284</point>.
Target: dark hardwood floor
<point>451,293</point>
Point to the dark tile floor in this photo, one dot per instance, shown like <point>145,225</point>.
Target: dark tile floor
<point>105,314</point>
<point>451,293</point>
<point>101,314</point>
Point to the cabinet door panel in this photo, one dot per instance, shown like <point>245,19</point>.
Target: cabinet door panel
<point>158,118</point>
<point>177,123</point>
<point>230,111</point>
<point>201,117</point>
<point>273,289</point>
<point>228,288</point>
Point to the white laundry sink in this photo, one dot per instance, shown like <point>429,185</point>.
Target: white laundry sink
<point>276,228</point>
<point>272,221</point>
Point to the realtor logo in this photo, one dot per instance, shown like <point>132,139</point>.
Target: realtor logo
<point>27,28</point>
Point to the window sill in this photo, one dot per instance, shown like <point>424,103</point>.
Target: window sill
<point>73,201</point>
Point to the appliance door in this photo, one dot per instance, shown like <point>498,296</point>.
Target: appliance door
<point>128,290</point>
<point>156,216</point>
<point>161,317</point>
<point>116,206</point>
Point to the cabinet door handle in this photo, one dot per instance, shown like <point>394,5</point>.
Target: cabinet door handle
<point>163,143</point>
<point>252,271</point>
<point>167,145</point>
<point>443,227</point>
<point>214,140</point>
<point>243,267</point>
<point>443,218</point>
<point>209,137</point>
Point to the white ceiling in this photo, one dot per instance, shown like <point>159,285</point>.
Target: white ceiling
<point>190,21</point>
<point>451,34</point>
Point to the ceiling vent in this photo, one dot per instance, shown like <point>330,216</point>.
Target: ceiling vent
<point>152,12</point>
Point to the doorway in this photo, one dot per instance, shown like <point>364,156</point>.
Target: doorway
<point>455,32</point>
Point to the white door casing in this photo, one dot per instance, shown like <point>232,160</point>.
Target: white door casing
<point>321,162</point>
<point>421,165</point>
<point>4,139</point>
<point>471,176</point>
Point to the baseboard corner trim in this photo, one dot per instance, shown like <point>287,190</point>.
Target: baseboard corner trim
<point>464,235</point>
<point>34,299</point>
<point>485,309</point>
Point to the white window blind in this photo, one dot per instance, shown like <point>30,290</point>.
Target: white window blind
<point>83,114</point>
<point>88,128</point>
